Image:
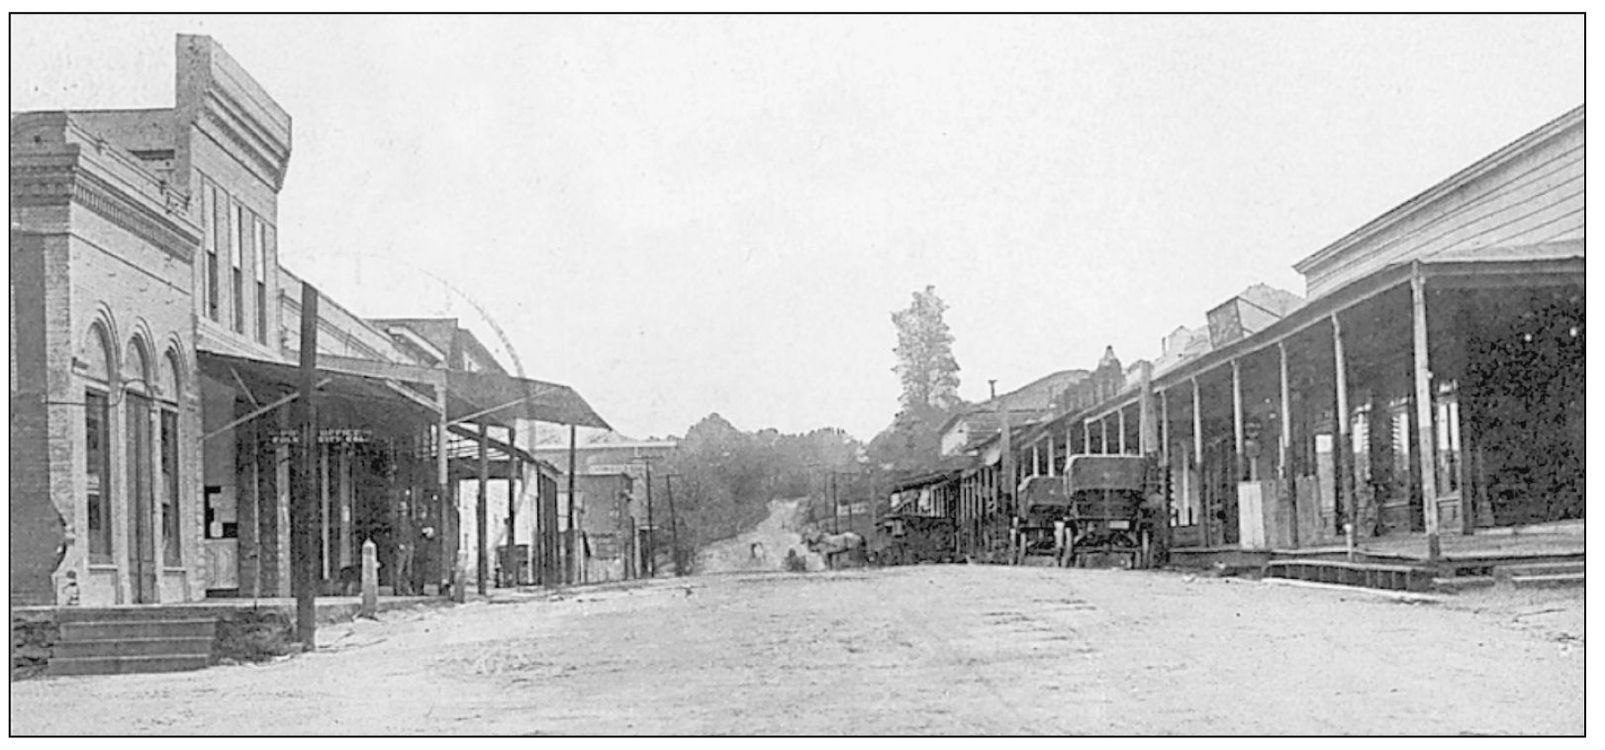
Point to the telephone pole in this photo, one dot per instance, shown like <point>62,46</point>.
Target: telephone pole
<point>651,531</point>
<point>303,509</point>
<point>674,527</point>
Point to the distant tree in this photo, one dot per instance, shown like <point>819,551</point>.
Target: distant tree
<point>728,476</point>
<point>925,363</point>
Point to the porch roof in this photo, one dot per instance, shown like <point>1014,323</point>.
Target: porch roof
<point>1512,265</point>
<point>488,397</point>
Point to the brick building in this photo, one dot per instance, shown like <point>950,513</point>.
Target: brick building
<point>153,341</point>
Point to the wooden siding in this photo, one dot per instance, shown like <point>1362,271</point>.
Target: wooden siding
<point>1536,196</point>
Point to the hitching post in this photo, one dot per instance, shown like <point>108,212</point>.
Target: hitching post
<point>370,580</point>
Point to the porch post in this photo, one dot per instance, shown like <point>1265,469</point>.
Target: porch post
<point>447,531</point>
<point>1164,427</point>
<point>1237,421</point>
<point>323,494</point>
<point>1120,420</point>
<point>1284,474</point>
<point>1164,460</point>
<point>1103,443</point>
<point>1051,471</point>
<point>1423,384</point>
<point>343,471</point>
<point>514,473</point>
<point>1147,436</point>
<point>1086,436</point>
<point>480,509</point>
<point>1198,460</point>
<point>1340,442</point>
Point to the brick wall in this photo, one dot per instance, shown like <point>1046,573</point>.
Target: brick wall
<point>36,527</point>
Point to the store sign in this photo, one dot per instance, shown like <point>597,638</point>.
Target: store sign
<point>325,437</point>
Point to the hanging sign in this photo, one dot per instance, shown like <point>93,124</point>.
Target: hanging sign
<point>325,436</point>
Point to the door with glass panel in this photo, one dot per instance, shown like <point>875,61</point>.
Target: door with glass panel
<point>142,561</point>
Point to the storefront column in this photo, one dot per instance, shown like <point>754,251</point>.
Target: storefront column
<point>1284,475</point>
<point>510,560</point>
<point>1340,442</point>
<point>1120,421</point>
<point>1423,388</point>
<point>481,506</point>
<point>1147,436</point>
<point>1164,429</point>
<point>446,508</point>
<point>343,471</point>
<point>1237,421</point>
<point>1198,460</point>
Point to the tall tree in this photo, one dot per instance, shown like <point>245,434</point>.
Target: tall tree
<point>925,363</point>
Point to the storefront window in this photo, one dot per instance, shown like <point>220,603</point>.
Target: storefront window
<point>214,220</point>
<point>96,411</point>
<point>259,267</point>
<point>237,240</point>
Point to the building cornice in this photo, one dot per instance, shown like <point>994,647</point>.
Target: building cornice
<point>61,177</point>
<point>226,123</point>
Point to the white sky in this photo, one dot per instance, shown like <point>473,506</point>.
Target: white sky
<point>679,215</point>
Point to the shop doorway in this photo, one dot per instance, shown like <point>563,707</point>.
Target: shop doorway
<point>143,570</point>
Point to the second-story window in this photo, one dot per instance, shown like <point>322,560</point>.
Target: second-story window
<point>259,265</point>
<point>236,248</point>
<point>213,219</point>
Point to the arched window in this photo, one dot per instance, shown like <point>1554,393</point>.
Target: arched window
<point>97,453</point>
<point>168,387</point>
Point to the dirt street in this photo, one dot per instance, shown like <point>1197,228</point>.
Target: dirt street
<point>765,546</point>
<point>929,649</point>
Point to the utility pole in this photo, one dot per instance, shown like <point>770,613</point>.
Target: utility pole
<point>674,526</point>
<point>303,511</point>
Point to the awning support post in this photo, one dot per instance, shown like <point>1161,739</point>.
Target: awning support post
<point>1423,388</point>
<point>480,507</point>
<point>303,506</point>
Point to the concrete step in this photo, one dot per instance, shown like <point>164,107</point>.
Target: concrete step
<point>124,664</point>
<point>1548,581</point>
<point>1461,583</point>
<point>132,613</point>
<point>79,649</point>
<point>138,628</point>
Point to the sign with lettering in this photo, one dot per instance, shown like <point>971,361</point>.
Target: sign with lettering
<point>325,436</point>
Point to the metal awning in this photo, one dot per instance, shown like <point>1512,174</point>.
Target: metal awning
<point>361,385</point>
<point>503,398</point>
<point>344,397</point>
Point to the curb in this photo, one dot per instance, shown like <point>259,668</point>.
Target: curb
<point>1405,596</point>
